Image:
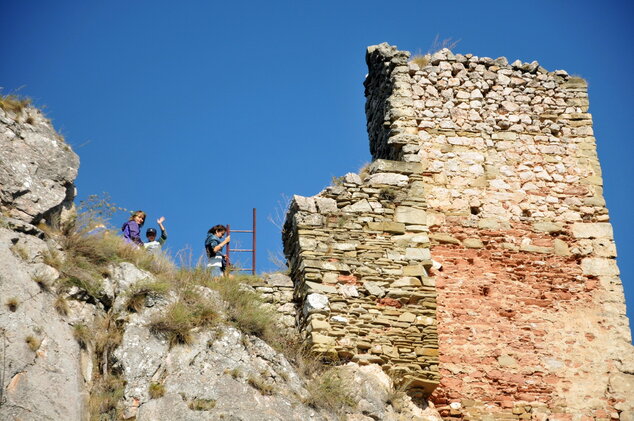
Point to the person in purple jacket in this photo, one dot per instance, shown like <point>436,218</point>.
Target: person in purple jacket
<point>132,229</point>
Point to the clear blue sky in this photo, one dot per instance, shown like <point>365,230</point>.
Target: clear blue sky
<point>200,110</point>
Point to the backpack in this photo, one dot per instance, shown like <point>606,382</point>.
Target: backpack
<point>210,242</point>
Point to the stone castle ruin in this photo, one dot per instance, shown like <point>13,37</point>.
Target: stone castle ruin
<point>473,259</point>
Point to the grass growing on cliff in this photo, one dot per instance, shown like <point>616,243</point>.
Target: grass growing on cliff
<point>177,322</point>
<point>14,103</point>
<point>139,293</point>
<point>12,304</point>
<point>331,390</point>
<point>156,390</point>
<point>105,395</point>
<point>33,343</point>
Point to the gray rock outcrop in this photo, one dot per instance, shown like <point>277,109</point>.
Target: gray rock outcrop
<point>37,168</point>
<point>40,358</point>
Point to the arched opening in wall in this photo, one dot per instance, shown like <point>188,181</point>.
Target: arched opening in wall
<point>475,210</point>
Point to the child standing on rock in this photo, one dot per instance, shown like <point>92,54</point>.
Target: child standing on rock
<point>132,229</point>
<point>152,245</point>
<point>213,246</point>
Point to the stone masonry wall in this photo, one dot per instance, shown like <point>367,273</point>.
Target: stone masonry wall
<point>358,254</point>
<point>531,313</point>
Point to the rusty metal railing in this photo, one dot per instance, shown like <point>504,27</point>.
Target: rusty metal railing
<point>252,250</point>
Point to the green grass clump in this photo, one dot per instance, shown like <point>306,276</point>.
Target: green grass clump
<point>177,322</point>
<point>246,310</point>
<point>331,391</point>
<point>156,390</point>
<point>139,292</point>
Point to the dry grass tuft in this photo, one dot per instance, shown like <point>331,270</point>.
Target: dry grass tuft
<point>13,103</point>
<point>52,258</point>
<point>138,293</point>
<point>104,398</point>
<point>177,322</point>
<point>61,305</point>
<point>82,335</point>
<point>156,390</point>
<point>246,310</point>
<point>12,304</point>
<point>260,384</point>
<point>331,391</point>
<point>421,60</point>
<point>202,404</point>
<point>20,251</point>
<point>42,282</point>
<point>33,343</point>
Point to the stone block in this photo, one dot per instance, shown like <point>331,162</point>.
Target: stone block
<point>414,270</point>
<point>443,238</point>
<point>373,288</point>
<point>407,317</point>
<point>326,205</point>
<point>306,204</point>
<point>388,178</point>
<point>308,219</point>
<point>348,290</point>
<point>318,338</point>
<point>384,165</point>
<point>406,281</point>
<point>387,226</point>
<point>592,230</point>
<point>362,206</point>
<point>561,248</point>
<point>315,303</point>
<point>417,253</point>
<point>598,266</point>
<point>473,243</point>
<point>493,224</point>
<point>314,286</point>
<point>409,215</point>
<point>548,227</point>
<point>317,324</point>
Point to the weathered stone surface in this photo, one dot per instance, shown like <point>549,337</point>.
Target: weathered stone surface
<point>409,215</point>
<point>387,226</point>
<point>386,166</point>
<point>37,169</point>
<point>592,230</point>
<point>599,266</point>
<point>388,178</point>
<point>35,380</point>
<point>547,227</point>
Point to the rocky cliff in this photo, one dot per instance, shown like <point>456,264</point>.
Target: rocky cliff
<point>91,329</point>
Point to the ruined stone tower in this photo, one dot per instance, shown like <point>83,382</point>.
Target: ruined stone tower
<point>473,259</point>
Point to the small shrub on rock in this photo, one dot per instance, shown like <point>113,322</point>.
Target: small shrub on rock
<point>12,304</point>
<point>331,391</point>
<point>156,390</point>
<point>33,343</point>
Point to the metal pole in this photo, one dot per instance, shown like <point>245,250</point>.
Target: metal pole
<point>228,244</point>
<point>253,264</point>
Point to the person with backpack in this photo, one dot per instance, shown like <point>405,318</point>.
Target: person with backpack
<point>152,245</point>
<point>213,246</point>
<point>132,228</point>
